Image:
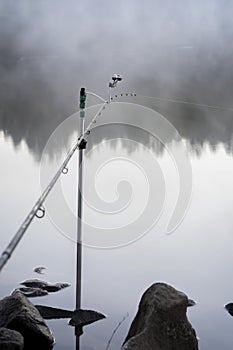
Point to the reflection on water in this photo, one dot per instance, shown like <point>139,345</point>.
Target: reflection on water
<point>196,259</point>
<point>34,123</point>
<point>43,66</point>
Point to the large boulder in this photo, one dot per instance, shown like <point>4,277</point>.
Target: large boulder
<point>161,322</point>
<point>10,340</point>
<point>18,313</point>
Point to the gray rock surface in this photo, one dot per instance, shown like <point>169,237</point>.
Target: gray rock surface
<point>82,317</point>
<point>39,269</point>
<point>161,322</point>
<point>10,340</point>
<point>18,313</point>
<point>191,303</point>
<point>49,287</point>
<point>51,313</point>
<point>32,292</point>
<point>35,283</point>
<point>229,308</point>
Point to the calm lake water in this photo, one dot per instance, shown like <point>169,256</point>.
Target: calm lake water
<point>47,53</point>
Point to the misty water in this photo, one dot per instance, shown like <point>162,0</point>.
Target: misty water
<point>179,54</point>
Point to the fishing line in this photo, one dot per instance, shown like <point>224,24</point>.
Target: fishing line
<point>167,99</point>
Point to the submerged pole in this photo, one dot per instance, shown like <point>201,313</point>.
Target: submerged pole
<point>82,146</point>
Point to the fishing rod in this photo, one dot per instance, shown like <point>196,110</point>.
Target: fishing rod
<point>38,209</point>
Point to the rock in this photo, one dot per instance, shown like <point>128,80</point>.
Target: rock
<point>19,314</point>
<point>229,308</point>
<point>56,287</point>
<point>82,318</point>
<point>39,269</point>
<point>35,283</point>
<point>79,318</point>
<point>50,313</point>
<point>32,292</point>
<point>50,287</point>
<point>191,303</point>
<point>161,322</point>
<point>10,340</point>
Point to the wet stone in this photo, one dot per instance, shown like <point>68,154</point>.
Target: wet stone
<point>49,287</point>
<point>19,314</point>
<point>10,340</point>
<point>161,322</point>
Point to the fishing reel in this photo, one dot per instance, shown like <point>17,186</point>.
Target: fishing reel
<point>115,79</point>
